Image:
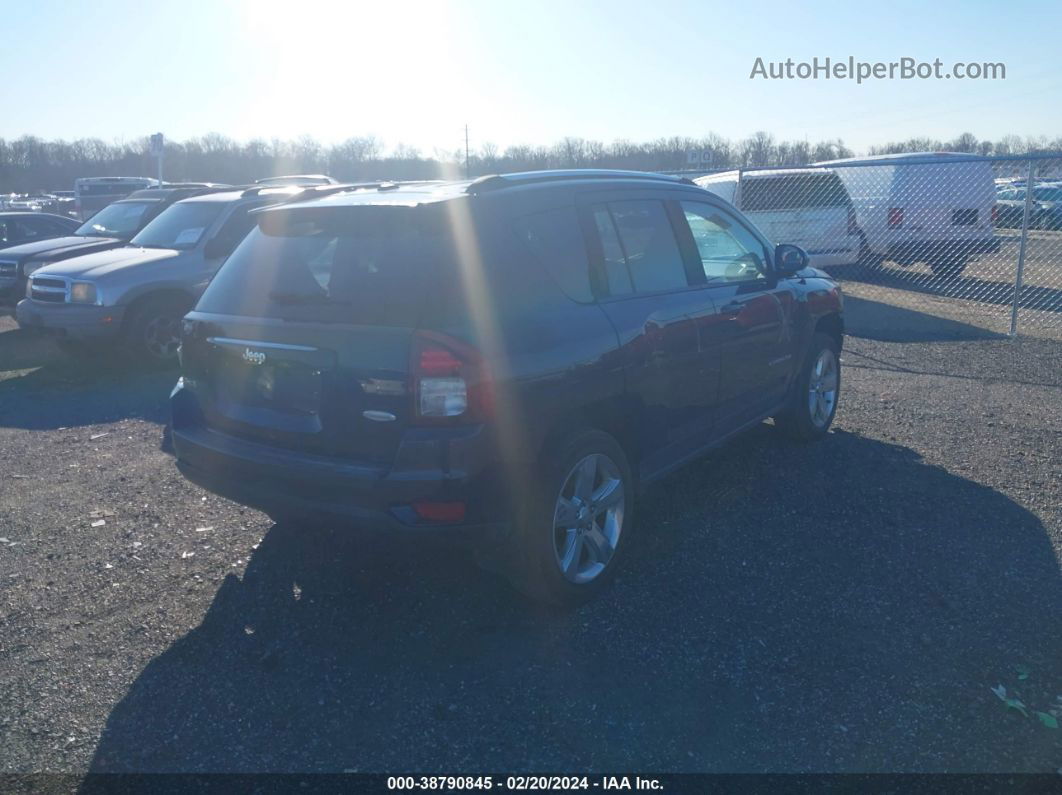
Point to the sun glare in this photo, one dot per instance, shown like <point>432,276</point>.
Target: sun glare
<point>353,69</point>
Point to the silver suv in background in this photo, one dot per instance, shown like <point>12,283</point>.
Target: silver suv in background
<point>136,295</point>
<point>111,227</point>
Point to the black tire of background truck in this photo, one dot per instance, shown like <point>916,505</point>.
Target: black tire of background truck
<point>948,267</point>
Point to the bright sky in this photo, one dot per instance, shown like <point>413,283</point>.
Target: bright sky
<point>516,72</point>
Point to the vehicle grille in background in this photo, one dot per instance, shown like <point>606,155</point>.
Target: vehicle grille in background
<point>964,217</point>
<point>45,289</point>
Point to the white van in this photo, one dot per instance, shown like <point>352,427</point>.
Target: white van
<point>92,194</point>
<point>805,206</point>
<point>932,207</point>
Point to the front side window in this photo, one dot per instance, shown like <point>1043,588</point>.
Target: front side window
<point>181,225</point>
<point>646,243</point>
<point>120,219</point>
<point>728,251</point>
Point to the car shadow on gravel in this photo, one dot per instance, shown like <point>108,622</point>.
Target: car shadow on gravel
<point>888,323</point>
<point>52,390</point>
<point>986,291</point>
<point>838,607</point>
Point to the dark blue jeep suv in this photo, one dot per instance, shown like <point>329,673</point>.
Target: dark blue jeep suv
<point>503,361</point>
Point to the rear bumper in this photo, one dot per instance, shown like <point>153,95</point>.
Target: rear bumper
<point>285,482</point>
<point>70,320</point>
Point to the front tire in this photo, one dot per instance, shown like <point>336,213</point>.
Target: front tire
<point>154,330</point>
<point>576,521</point>
<point>813,403</point>
<point>866,257</point>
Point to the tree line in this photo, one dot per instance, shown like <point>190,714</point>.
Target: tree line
<point>30,163</point>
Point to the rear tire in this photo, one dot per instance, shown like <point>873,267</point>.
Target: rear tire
<point>153,333</point>
<point>868,260</point>
<point>575,522</point>
<point>816,391</point>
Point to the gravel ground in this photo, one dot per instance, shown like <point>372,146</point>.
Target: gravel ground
<point>840,607</point>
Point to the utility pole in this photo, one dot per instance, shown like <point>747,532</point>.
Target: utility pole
<point>157,149</point>
<point>468,174</point>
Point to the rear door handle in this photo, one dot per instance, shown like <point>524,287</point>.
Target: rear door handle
<point>733,308</point>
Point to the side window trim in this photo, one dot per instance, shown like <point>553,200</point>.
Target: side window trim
<point>691,257</point>
<point>595,250</point>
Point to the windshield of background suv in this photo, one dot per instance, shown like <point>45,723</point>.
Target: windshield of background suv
<point>180,225</point>
<point>366,265</point>
<point>120,219</point>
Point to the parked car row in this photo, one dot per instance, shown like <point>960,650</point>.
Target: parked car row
<point>57,202</point>
<point>113,226</point>
<point>137,266</point>
<point>1045,211</point>
<point>503,361</point>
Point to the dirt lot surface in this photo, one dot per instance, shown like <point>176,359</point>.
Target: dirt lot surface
<point>847,606</point>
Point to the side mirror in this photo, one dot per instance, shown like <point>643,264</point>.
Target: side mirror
<point>789,259</point>
<point>216,247</point>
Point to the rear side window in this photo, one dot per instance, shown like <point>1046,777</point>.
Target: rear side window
<point>792,192</point>
<point>556,240</point>
<point>639,234</point>
<point>368,265</point>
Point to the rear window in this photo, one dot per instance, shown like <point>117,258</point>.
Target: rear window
<point>364,265</point>
<point>120,219</point>
<point>792,192</point>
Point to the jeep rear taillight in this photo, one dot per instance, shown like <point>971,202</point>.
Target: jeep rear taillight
<point>450,383</point>
<point>995,214</point>
<point>895,217</point>
<point>853,227</point>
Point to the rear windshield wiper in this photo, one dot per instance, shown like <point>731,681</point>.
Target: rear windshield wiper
<point>305,298</point>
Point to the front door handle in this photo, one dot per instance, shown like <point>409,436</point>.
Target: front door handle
<point>733,308</point>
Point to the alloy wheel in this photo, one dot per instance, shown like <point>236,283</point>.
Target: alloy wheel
<point>588,518</point>
<point>162,336</point>
<point>822,388</point>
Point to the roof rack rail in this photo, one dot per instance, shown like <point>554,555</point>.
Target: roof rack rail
<point>496,181</point>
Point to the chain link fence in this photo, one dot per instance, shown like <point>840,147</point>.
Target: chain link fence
<point>959,238</point>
